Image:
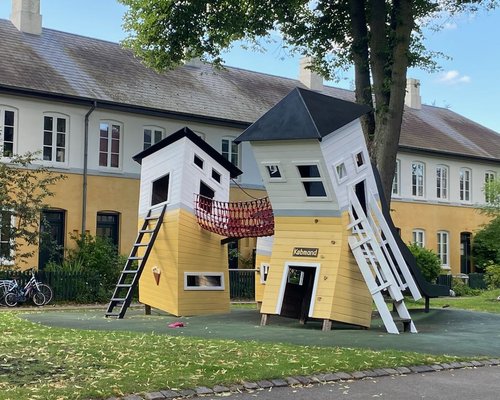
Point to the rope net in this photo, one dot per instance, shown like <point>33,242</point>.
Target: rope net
<point>235,219</point>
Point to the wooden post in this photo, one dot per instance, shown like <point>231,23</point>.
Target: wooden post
<point>427,304</point>
<point>263,319</point>
<point>147,309</point>
<point>327,325</point>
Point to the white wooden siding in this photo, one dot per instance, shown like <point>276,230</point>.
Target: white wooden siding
<point>290,194</point>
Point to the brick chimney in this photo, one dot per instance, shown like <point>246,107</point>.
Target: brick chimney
<point>412,98</point>
<point>26,16</point>
<point>309,78</point>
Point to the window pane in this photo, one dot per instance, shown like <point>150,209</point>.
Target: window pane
<point>115,160</point>
<point>314,189</point>
<point>115,146</point>
<point>8,149</point>
<point>61,155</point>
<point>103,145</point>
<point>104,130</point>
<point>225,146</point>
<point>47,138</point>
<point>116,132</point>
<point>61,125</point>
<point>147,135</point>
<point>47,153</point>
<point>215,175</point>
<point>309,171</point>
<point>273,171</point>
<point>158,136</point>
<point>9,118</point>
<point>103,159</point>
<point>8,134</point>
<point>47,123</point>
<point>61,140</point>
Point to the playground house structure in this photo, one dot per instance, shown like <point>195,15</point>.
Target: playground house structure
<point>325,249</point>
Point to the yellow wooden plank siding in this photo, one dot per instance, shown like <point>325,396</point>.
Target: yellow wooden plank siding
<point>341,292</point>
<point>182,246</point>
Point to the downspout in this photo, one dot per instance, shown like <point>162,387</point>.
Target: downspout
<point>85,167</point>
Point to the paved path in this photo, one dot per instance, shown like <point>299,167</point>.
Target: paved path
<point>476,384</point>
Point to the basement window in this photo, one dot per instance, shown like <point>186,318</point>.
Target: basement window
<point>203,281</point>
<point>159,193</point>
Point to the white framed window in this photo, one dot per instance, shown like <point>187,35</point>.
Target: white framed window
<point>465,184</point>
<point>203,281</point>
<point>340,172</point>
<point>442,182</point>
<point>8,131</point>
<point>443,248</point>
<point>359,160</point>
<point>417,179</point>
<point>6,252</point>
<point>264,272</point>
<point>312,181</point>
<point>274,172</point>
<point>159,190</point>
<point>198,161</point>
<point>230,150</point>
<point>396,190</point>
<point>110,141</point>
<point>55,137</point>
<point>152,135</point>
<point>418,237</point>
<point>489,176</point>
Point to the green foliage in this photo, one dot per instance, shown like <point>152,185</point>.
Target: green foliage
<point>486,246</point>
<point>427,261</point>
<point>24,190</point>
<point>100,264</point>
<point>491,191</point>
<point>462,289</point>
<point>492,276</point>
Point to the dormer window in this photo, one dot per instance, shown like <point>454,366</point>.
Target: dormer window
<point>311,180</point>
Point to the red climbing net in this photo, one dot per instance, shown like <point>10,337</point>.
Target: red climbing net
<point>235,219</point>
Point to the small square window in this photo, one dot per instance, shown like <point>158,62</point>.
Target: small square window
<point>198,161</point>
<point>273,171</point>
<point>341,172</point>
<point>314,189</point>
<point>215,175</point>
<point>160,190</point>
<point>360,159</point>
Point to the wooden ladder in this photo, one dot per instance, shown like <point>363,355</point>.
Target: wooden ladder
<point>129,277</point>
<point>375,268</point>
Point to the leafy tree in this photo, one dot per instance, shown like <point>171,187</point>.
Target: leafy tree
<point>491,191</point>
<point>24,190</point>
<point>486,246</point>
<point>381,38</point>
<point>427,261</point>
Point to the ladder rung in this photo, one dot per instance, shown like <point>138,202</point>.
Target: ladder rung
<point>118,299</point>
<point>130,271</point>
<point>151,218</point>
<point>361,242</point>
<point>135,258</point>
<point>112,314</point>
<point>146,230</point>
<point>380,288</point>
<point>140,244</point>
<point>123,285</point>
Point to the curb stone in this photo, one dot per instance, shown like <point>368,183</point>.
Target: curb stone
<point>306,380</point>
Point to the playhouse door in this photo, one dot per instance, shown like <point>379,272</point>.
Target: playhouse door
<point>298,292</point>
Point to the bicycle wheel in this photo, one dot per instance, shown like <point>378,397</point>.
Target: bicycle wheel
<point>38,299</point>
<point>46,291</point>
<point>11,299</point>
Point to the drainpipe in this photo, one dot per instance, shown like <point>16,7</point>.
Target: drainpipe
<point>85,167</point>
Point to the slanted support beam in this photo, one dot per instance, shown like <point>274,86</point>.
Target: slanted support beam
<point>264,319</point>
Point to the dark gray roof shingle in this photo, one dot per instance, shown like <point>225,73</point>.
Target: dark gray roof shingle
<point>69,65</point>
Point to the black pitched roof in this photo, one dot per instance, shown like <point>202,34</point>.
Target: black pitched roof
<point>303,114</point>
<point>188,133</point>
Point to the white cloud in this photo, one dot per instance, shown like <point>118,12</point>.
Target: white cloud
<point>453,77</point>
<point>450,25</point>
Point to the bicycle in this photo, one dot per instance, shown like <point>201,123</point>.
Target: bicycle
<point>40,293</point>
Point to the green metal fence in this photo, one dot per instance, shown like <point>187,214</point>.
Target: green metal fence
<point>475,280</point>
<point>242,284</point>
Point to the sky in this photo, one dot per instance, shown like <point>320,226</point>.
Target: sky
<point>468,83</point>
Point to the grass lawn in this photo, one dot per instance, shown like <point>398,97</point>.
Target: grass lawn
<point>486,302</point>
<point>39,362</point>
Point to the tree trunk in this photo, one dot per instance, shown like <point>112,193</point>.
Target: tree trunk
<point>389,118</point>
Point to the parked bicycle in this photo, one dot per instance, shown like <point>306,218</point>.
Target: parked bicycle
<point>11,293</point>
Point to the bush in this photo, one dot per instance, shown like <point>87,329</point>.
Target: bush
<point>492,276</point>
<point>462,289</point>
<point>486,247</point>
<point>100,264</point>
<point>427,261</point>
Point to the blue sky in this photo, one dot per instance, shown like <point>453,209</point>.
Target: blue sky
<point>469,82</point>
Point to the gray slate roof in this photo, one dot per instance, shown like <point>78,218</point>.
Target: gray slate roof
<point>59,63</point>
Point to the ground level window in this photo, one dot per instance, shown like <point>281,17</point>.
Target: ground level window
<point>5,236</point>
<point>107,226</point>
<point>443,248</point>
<point>203,281</point>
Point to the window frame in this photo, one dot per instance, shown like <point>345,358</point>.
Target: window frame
<point>414,180</point>
<point>3,109</point>
<point>396,180</point>
<point>338,165</point>
<point>489,176</point>
<point>154,129</point>
<point>230,154</point>
<point>363,158</point>
<point>116,224</point>
<point>465,194</point>
<point>168,174</point>
<point>321,178</point>
<point>439,179</point>
<point>219,288</point>
<point>267,165</point>
<point>414,237</point>
<point>110,139</point>
<point>54,135</point>
<point>441,245</point>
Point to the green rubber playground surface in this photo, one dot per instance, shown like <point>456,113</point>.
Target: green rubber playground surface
<point>441,331</point>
